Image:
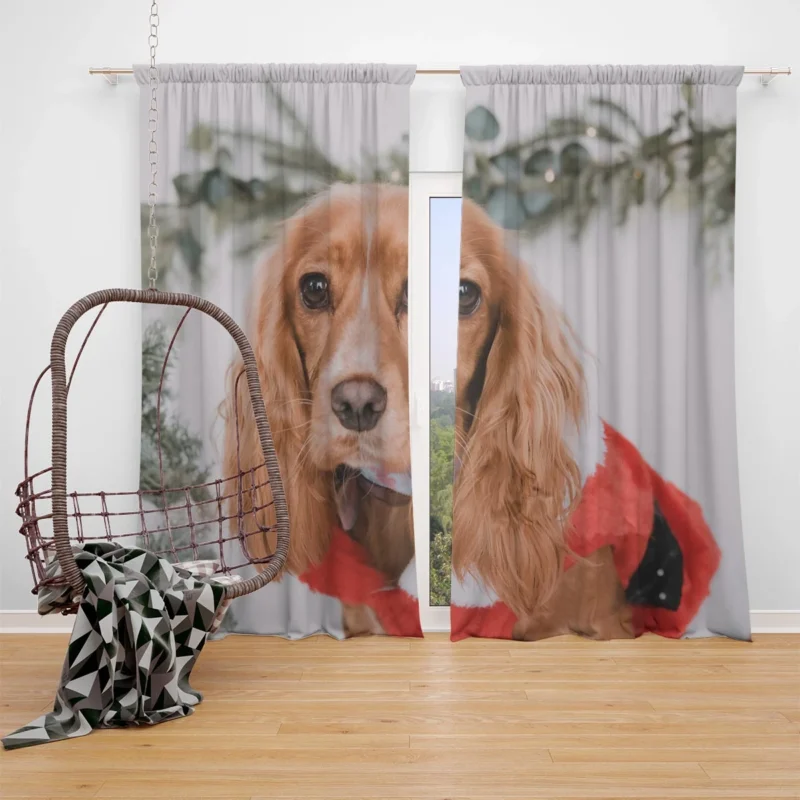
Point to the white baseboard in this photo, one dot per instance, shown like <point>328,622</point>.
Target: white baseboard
<point>31,622</point>
<point>775,621</point>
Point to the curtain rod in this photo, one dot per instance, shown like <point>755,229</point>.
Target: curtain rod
<point>767,75</point>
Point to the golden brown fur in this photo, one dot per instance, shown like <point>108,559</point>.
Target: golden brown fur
<point>520,387</point>
<point>588,599</point>
<point>386,533</point>
<point>358,238</point>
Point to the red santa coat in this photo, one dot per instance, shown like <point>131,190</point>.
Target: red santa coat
<point>627,505</point>
<point>347,575</point>
<point>624,504</point>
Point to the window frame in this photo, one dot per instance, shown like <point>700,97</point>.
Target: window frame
<point>423,187</point>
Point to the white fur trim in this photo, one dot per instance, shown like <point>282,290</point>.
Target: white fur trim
<point>471,593</point>
<point>408,579</point>
<point>588,444</point>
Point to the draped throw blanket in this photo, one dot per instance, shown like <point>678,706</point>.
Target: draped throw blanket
<point>287,204</point>
<point>138,632</point>
<point>596,487</point>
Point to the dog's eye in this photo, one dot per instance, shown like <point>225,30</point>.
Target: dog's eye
<point>314,290</point>
<point>469,298</point>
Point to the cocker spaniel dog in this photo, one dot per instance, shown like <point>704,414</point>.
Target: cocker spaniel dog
<point>328,326</point>
<point>539,548</point>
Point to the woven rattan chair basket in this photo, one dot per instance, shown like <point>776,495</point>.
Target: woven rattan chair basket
<point>216,507</point>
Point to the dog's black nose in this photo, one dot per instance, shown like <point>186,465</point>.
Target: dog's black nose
<point>358,403</point>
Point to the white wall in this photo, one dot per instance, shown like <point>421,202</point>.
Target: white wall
<point>69,219</point>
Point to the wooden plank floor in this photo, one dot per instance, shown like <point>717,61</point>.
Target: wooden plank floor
<point>383,718</point>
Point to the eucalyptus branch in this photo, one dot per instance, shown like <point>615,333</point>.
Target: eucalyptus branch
<point>529,183</point>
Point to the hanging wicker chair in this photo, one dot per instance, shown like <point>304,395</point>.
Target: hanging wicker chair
<point>203,521</point>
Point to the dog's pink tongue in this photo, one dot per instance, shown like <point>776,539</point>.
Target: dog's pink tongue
<point>347,504</point>
<point>399,482</point>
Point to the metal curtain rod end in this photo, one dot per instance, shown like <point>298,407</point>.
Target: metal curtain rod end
<point>773,73</point>
<point>109,73</point>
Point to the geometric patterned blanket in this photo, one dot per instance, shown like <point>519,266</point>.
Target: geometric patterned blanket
<point>139,629</point>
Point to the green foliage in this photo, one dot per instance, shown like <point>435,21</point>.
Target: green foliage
<point>181,451</point>
<point>441,559</point>
<point>441,495</point>
<point>481,125</point>
<point>181,461</point>
<point>443,407</point>
<point>576,165</point>
<point>442,447</point>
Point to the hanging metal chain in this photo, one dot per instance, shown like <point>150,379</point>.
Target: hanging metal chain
<point>152,126</point>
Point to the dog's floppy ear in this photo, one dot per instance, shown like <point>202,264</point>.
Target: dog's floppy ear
<point>518,480</point>
<point>288,404</point>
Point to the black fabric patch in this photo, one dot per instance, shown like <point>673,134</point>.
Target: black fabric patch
<point>658,580</point>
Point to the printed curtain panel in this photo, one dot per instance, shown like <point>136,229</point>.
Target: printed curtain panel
<point>596,487</point>
<point>283,199</point>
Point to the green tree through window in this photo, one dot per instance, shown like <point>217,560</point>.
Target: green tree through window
<point>445,239</point>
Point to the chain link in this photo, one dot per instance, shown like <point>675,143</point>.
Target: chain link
<point>152,126</point>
